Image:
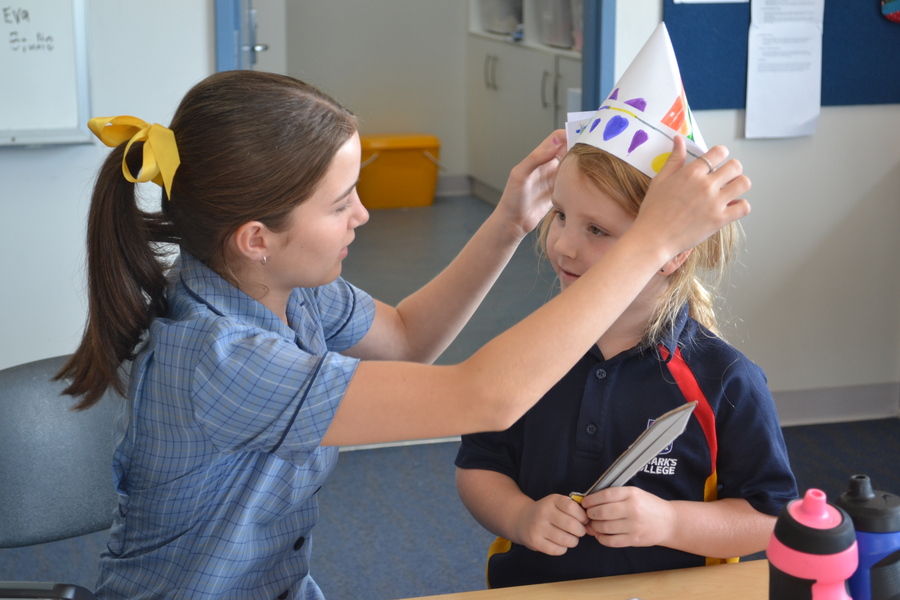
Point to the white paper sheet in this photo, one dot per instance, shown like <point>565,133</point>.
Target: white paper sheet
<point>784,68</point>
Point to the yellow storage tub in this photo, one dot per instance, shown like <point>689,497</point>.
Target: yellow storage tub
<point>398,170</point>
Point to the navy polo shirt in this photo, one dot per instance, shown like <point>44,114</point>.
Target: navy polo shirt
<point>566,441</point>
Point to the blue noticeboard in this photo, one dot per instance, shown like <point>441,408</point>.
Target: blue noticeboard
<point>860,53</point>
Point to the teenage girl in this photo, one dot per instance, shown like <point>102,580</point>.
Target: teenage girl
<point>250,359</point>
<point>714,493</point>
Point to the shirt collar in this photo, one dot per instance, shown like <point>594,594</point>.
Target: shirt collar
<point>670,341</point>
<point>209,288</point>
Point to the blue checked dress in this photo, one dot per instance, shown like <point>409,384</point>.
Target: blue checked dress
<point>217,462</point>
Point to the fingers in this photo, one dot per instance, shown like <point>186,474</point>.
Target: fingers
<point>555,524</point>
<point>606,496</point>
<point>553,146</point>
<point>730,178</point>
<point>676,158</point>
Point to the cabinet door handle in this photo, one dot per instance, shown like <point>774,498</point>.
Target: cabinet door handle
<point>494,61</point>
<point>544,79</point>
<point>487,62</point>
<point>556,104</point>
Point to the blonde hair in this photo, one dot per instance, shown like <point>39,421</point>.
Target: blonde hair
<point>696,281</point>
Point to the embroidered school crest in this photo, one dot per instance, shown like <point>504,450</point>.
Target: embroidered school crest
<point>660,464</point>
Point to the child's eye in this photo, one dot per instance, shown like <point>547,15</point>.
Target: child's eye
<point>594,230</point>
<point>560,216</point>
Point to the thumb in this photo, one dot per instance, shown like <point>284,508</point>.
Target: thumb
<point>553,145</point>
<point>676,157</point>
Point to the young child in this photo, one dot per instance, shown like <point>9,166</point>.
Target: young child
<point>243,356</point>
<point>716,491</point>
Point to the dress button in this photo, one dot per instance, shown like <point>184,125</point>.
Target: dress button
<point>600,373</point>
<point>284,594</point>
<point>299,543</point>
<point>590,429</point>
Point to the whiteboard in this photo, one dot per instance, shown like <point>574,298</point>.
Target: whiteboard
<point>43,72</point>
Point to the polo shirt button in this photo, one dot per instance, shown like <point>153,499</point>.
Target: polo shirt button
<point>590,429</point>
<point>600,373</point>
<point>284,594</point>
<point>299,543</point>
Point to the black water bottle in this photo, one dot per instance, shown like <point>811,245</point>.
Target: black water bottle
<point>876,519</point>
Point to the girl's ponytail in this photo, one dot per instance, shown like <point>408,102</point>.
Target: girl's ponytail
<point>233,166</point>
<point>126,280</point>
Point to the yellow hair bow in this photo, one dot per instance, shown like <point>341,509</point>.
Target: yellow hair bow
<point>160,151</point>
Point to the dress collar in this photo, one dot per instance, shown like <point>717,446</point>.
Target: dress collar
<point>208,287</point>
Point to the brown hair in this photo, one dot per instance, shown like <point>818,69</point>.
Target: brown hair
<point>253,146</point>
<point>695,282</point>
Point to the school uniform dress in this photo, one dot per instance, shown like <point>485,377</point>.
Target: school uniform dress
<point>217,461</point>
<point>732,446</point>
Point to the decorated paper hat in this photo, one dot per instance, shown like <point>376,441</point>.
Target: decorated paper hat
<point>645,111</point>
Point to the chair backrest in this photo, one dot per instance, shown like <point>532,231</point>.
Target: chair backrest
<point>55,463</point>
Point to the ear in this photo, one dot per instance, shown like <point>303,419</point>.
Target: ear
<point>252,241</point>
<point>675,262</point>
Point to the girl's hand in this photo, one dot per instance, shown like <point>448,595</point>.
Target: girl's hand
<point>686,203</point>
<point>551,525</point>
<point>628,516</point>
<point>526,198</point>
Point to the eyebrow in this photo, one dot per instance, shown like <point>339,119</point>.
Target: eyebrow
<point>346,193</point>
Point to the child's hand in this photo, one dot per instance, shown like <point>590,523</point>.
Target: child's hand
<point>551,525</point>
<point>526,198</point>
<point>628,516</point>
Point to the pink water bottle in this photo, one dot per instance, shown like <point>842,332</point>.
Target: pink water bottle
<point>812,552</point>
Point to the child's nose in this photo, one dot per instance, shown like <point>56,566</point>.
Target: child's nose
<point>565,245</point>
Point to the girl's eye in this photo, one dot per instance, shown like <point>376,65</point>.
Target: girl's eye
<point>560,216</point>
<point>594,230</point>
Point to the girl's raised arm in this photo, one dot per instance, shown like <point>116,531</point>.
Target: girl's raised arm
<point>489,391</point>
<point>426,322</point>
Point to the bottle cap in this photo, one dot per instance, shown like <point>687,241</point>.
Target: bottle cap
<point>811,525</point>
<point>872,511</point>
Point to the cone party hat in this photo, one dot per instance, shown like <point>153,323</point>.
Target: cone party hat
<point>645,111</point>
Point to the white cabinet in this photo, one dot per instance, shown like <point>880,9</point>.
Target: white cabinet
<point>568,77</point>
<point>516,96</point>
<point>511,106</point>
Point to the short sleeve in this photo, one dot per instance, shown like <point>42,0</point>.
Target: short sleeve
<point>262,393</point>
<point>345,312</point>
<point>753,461</point>
<point>491,451</point>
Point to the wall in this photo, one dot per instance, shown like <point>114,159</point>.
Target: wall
<point>398,64</point>
<point>143,57</point>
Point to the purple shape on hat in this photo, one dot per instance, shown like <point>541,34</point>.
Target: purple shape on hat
<point>594,124</point>
<point>614,95</point>
<point>638,103</point>
<point>616,125</point>
<point>640,136</point>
